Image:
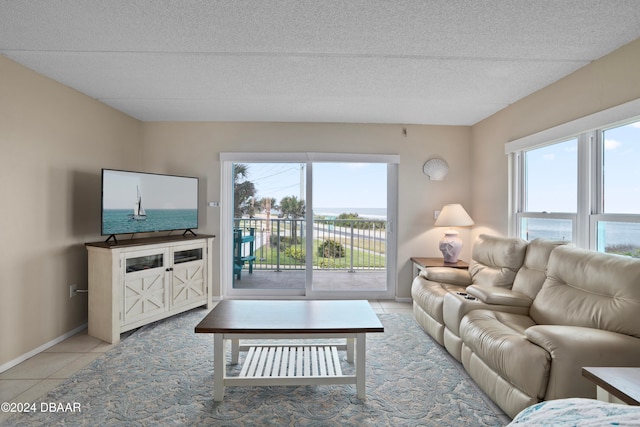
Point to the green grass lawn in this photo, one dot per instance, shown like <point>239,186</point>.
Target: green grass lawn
<point>293,256</point>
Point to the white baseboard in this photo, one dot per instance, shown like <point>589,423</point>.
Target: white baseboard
<point>10,364</point>
<point>398,299</point>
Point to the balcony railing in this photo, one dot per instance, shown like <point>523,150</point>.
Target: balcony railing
<point>280,244</point>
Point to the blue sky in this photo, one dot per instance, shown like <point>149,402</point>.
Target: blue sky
<point>553,174</point>
<point>336,185</point>
<point>158,191</point>
<point>622,169</point>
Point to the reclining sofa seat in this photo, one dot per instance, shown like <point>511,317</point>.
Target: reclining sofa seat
<point>494,262</point>
<point>526,285</point>
<point>586,314</point>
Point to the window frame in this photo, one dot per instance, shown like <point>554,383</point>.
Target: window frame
<point>590,192</point>
<point>519,177</point>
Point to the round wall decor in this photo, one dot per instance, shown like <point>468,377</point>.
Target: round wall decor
<point>435,169</point>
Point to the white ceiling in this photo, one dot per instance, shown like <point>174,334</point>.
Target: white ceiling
<point>450,62</point>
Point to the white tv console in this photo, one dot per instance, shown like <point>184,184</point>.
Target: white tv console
<point>139,281</point>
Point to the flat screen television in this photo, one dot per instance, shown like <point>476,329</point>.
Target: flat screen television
<point>140,202</point>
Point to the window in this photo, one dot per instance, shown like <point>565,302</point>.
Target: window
<point>552,178</point>
<point>584,189</point>
<point>549,197</point>
<point>617,224</point>
<point>621,175</point>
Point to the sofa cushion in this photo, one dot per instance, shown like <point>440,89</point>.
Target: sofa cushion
<point>456,306</point>
<point>499,340</point>
<point>532,274</point>
<point>499,296</point>
<point>495,260</point>
<point>590,289</point>
<point>430,296</point>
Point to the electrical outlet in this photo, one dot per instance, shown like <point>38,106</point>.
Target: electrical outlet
<point>436,214</point>
<point>73,290</point>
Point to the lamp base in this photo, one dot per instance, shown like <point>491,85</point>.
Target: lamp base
<point>450,246</point>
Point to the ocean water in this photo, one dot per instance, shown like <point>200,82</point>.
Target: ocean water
<point>552,229</point>
<point>609,234</point>
<point>117,221</point>
<point>372,213</point>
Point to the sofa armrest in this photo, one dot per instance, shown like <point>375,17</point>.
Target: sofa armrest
<point>572,347</point>
<point>586,343</point>
<point>499,296</point>
<point>453,276</point>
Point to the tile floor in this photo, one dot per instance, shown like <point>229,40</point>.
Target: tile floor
<point>35,377</point>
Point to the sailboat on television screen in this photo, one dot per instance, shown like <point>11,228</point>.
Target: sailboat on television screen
<point>139,213</point>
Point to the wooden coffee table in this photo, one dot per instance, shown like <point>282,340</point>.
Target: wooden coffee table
<point>289,364</point>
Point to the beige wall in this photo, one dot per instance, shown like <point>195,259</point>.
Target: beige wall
<point>54,142</point>
<point>607,82</point>
<point>193,148</point>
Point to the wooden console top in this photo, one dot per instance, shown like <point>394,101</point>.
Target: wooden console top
<point>148,241</point>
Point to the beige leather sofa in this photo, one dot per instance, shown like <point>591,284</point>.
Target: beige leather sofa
<point>526,285</point>
<point>567,308</point>
<point>494,262</point>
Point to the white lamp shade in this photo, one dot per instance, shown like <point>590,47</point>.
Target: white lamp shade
<point>453,215</point>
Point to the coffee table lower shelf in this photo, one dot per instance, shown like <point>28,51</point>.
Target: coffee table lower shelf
<point>282,362</point>
<point>290,364</point>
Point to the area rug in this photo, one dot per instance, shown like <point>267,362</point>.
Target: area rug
<point>162,375</point>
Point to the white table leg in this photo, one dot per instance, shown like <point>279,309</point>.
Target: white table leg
<point>361,347</point>
<point>218,367</point>
<point>351,346</point>
<point>235,351</point>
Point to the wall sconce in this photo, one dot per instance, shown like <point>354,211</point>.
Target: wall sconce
<point>436,169</point>
<point>452,215</point>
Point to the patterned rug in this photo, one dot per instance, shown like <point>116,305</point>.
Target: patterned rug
<point>162,375</point>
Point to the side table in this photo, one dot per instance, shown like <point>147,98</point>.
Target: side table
<point>615,385</point>
<point>420,263</point>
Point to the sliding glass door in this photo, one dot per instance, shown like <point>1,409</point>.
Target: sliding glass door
<point>308,225</point>
<point>269,226</point>
<point>349,227</point>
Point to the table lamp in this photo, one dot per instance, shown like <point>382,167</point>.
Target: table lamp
<point>452,215</point>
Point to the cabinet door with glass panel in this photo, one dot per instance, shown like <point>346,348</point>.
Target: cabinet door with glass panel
<point>188,281</point>
<point>145,291</point>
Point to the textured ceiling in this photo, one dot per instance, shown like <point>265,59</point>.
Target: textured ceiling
<point>450,62</point>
